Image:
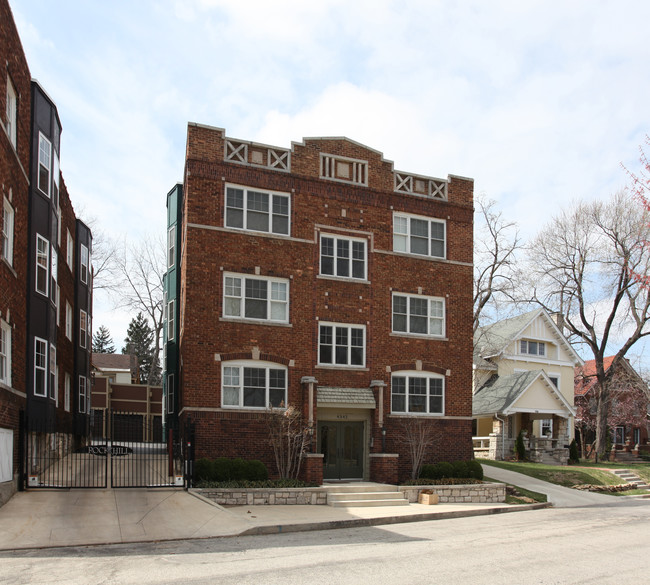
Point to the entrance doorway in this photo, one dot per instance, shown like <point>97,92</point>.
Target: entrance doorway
<point>341,444</point>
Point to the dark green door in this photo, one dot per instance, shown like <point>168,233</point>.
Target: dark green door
<point>341,444</point>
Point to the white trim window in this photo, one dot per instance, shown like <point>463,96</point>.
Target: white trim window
<point>418,393</point>
<point>343,257</point>
<point>256,298</point>
<point>341,345</point>
<point>170,393</point>
<point>83,328</point>
<point>44,164</point>
<point>419,235</point>
<point>12,112</point>
<point>84,403</point>
<point>56,173</point>
<point>66,392</point>
<point>84,264</point>
<point>69,250</point>
<point>171,330</point>
<point>171,246</point>
<point>532,348</point>
<point>53,377</point>
<point>54,272</point>
<point>8,216</point>
<point>40,367</point>
<point>42,264</point>
<point>253,384</point>
<point>418,315</point>
<point>68,320</point>
<point>546,427</point>
<point>5,353</point>
<point>258,211</point>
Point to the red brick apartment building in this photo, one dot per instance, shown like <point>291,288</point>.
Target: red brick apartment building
<point>45,277</point>
<point>320,277</point>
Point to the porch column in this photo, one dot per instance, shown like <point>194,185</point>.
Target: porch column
<point>380,385</point>
<point>310,381</point>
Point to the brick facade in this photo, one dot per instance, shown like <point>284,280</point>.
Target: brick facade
<point>336,207</point>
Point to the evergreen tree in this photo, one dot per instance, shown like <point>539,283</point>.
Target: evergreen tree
<point>102,341</point>
<point>139,340</point>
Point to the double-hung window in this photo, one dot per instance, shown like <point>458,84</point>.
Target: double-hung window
<point>12,111</point>
<point>42,264</point>
<point>341,345</point>
<point>170,393</point>
<point>418,393</point>
<point>7,231</point>
<point>418,314</point>
<point>44,164</point>
<point>344,257</point>
<point>257,298</point>
<point>259,211</point>
<point>171,246</point>
<point>253,385</point>
<point>68,320</point>
<point>54,273</point>
<point>419,235</point>
<point>69,250</point>
<point>66,392</point>
<point>84,264</point>
<point>53,376</point>
<point>532,347</point>
<point>84,403</point>
<point>40,367</point>
<point>5,353</point>
<point>83,327</point>
<point>170,321</point>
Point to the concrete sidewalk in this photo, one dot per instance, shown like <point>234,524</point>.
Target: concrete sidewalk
<point>49,518</point>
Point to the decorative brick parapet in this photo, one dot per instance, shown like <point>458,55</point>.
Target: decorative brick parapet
<point>459,494</point>
<point>265,496</point>
<point>311,470</point>
<point>384,467</point>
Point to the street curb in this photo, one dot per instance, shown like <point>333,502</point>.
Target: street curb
<point>364,522</point>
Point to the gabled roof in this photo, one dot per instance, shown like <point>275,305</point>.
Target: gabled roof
<point>585,376</point>
<point>112,361</point>
<point>492,340</point>
<point>500,394</point>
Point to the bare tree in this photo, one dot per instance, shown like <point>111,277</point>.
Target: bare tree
<point>104,253</point>
<point>496,243</point>
<point>418,435</point>
<point>140,268</point>
<point>289,438</point>
<point>582,266</point>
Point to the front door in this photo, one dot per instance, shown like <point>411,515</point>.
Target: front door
<point>341,444</point>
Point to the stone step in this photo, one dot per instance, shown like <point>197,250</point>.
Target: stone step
<point>365,503</point>
<point>360,488</point>
<point>365,495</point>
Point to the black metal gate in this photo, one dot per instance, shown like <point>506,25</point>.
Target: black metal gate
<point>130,448</point>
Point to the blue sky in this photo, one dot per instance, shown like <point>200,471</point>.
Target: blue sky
<point>539,102</point>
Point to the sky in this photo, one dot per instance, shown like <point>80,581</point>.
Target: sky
<point>539,102</point>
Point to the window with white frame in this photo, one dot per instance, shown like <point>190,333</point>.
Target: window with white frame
<point>7,231</point>
<point>53,381</point>
<point>83,327</point>
<point>69,251</point>
<point>54,271</point>
<point>68,320</point>
<point>257,298</point>
<point>418,314</point>
<point>170,393</point>
<point>418,393</point>
<point>171,246</point>
<point>259,211</point>
<point>341,345</point>
<point>83,395</point>
<point>532,347</point>
<point>56,173</point>
<point>555,379</point>
<point>5,353</point>
<point>419,235</point>
<point>58,305</point>
<point>546,427</point>
<point>42,264</point>
<point>12,112</point>
<point>66,392</point>
<point>44,164</point>
<point>40,367</point>
<point>343,256</point>
<point>253,384</point>
<point>84,264</point>
<point>170,321</point>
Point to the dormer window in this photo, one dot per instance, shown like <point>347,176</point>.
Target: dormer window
<point>532,347</point>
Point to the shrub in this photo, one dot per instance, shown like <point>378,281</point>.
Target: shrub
<point>460,469</point>
<point>203,469</point>
<point>520,448</point>
<point>574,456</point>
<point>444,470</point>
<point>256,470</point>
<point>474,469</point>
<point>223,469</point>
<point>429,471</point>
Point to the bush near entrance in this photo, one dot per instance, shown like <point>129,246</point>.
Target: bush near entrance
<point>224,469</point>
<point>457,470</point>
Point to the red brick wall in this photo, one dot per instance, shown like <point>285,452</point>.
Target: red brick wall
<point>316,203</point>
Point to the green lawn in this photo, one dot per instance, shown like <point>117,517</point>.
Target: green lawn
<point>641,469</point>
<point>566,476</point>
<point>523,496</point>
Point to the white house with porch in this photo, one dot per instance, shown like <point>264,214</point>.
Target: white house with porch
<point>523,381</point>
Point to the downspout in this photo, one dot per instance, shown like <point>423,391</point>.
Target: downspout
<point>503,438</point>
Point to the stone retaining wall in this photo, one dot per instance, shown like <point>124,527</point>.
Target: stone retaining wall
<point>460,494</point>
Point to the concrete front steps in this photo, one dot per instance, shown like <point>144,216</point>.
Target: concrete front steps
<point>364,494</point>
<point>631,477</point>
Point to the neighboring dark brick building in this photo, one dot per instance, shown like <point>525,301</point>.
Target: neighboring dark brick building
<point>45,272</point>
<point>321,277</point>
